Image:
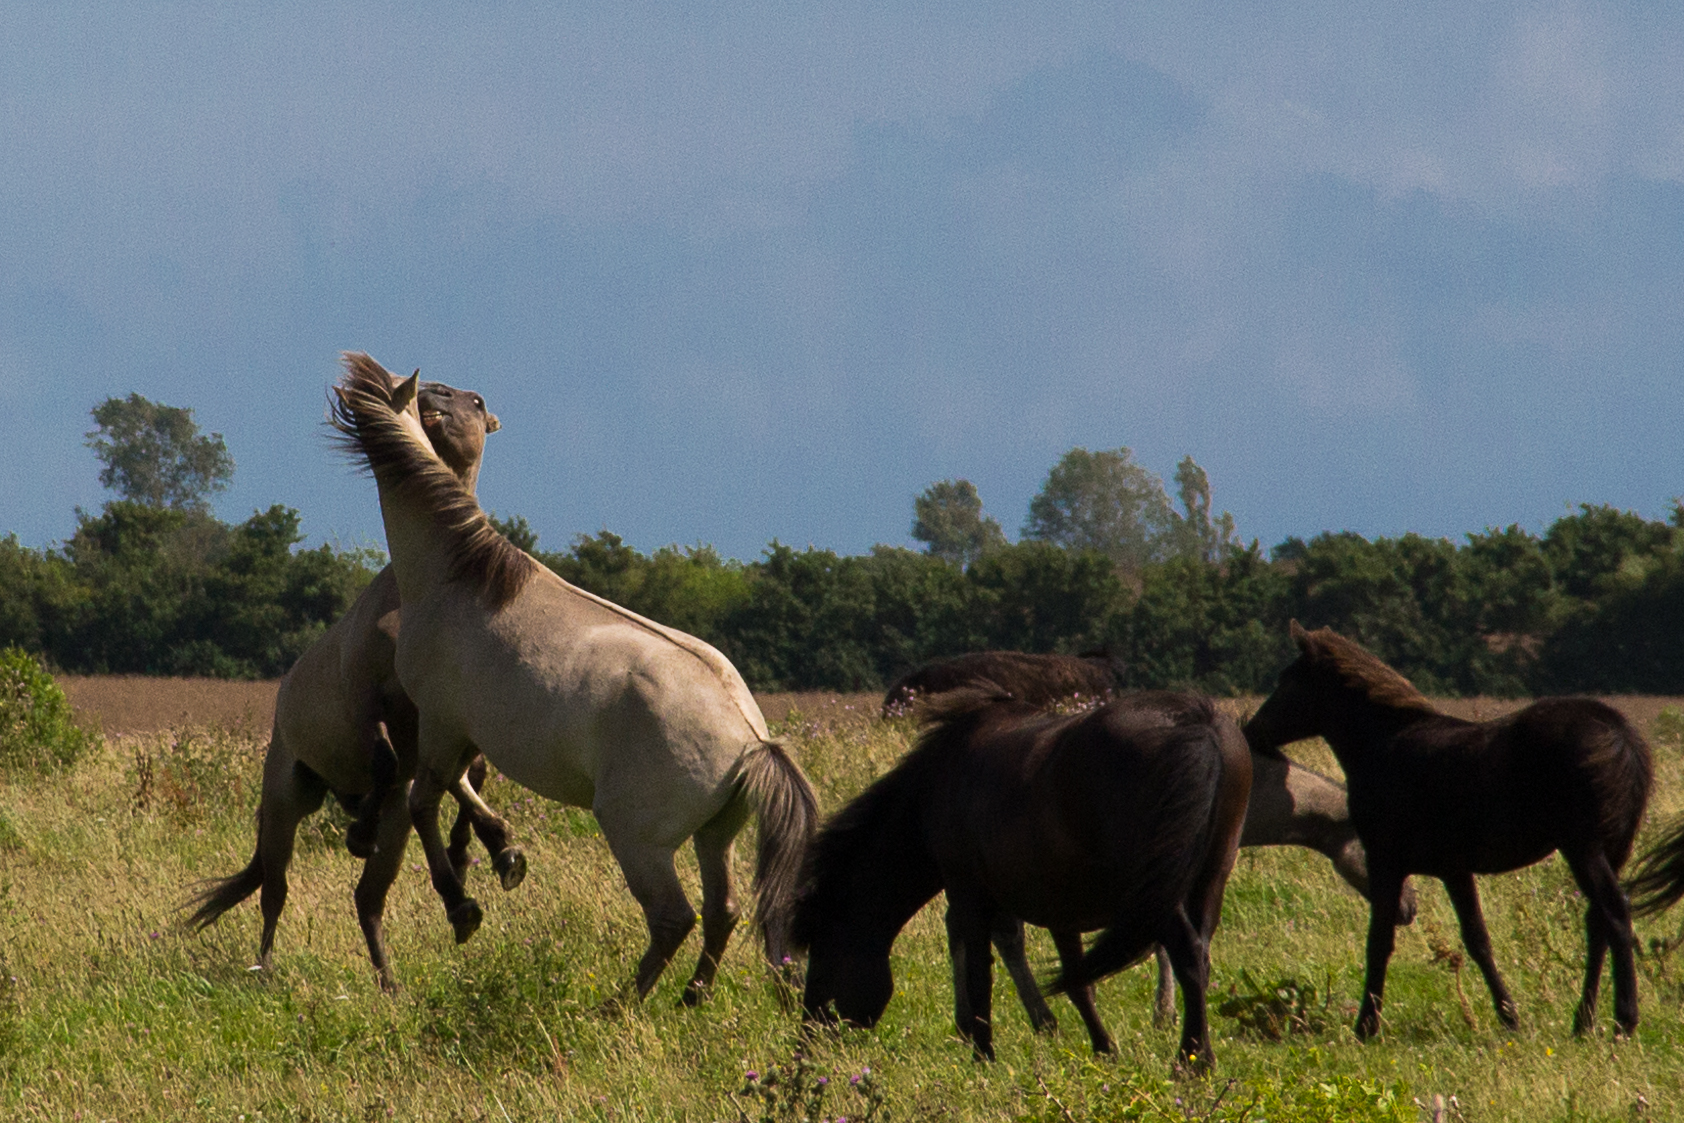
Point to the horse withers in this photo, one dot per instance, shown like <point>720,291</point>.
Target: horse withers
<point>1436,795</point>
<point>343,723</point>
<point>1111,819</point>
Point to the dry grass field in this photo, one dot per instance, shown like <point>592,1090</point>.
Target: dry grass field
<point>109,1009</point>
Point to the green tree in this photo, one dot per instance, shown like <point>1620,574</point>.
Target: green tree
<point>153,454</point>
<point>1105,502</point>
<point>1196,535</point>
<point>948,519</point>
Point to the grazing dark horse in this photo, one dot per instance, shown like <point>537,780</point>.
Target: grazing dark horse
<point>1290,805</point>
<point>1124,818</point>
<point>1040,680</point>
<point>1436,795</point>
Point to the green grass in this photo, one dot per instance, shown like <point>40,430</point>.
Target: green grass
<point>109,1010</point>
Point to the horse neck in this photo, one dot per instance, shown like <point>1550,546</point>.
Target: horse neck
<point>1357,724</point>
<point>421,556</point>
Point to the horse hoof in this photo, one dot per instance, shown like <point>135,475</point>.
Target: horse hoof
<point>694,995</point>
<point>511,868</point>
<point>465,919</point>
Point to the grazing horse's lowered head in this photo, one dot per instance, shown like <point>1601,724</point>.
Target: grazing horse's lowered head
<point>1123,818</point>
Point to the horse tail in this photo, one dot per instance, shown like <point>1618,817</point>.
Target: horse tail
<point>1623,773</point>
<point>219,895</point>
<point>789,816</point>
<point>1657,883</point>
<point>1184,827</point>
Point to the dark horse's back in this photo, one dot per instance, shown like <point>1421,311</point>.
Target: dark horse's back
<point>1035,679</point>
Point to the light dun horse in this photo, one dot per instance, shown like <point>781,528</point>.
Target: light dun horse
<point>343,723</point>
<point>574,697</point>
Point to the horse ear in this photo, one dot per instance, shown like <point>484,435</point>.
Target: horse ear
<point>404,392</point>
<point>1299,635</point>
<point>491,423</point>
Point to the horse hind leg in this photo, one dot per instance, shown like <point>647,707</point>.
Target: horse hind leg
<point>650,876</point>
<point>719,904</point>
<point>1069,945</point>
<point>1008,941</point>
<point>1464,898</point>
<point>1607,928</point>
<point>279,814</point>
<point>1188,956</point>
<point>378,874</point>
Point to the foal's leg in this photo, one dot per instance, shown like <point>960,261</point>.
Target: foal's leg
<point>719,905</point>
<point>1464,897</point>
<point>1382,922</point>
<point>379,871</point>
<point>425,793</point>
<point>1188,955</point>
<point>1069,945</point>
<point>968,925</point>
<point>1008,940</point>
<point>1606,909</point>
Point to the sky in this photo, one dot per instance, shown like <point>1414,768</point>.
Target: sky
<point>737,272</point>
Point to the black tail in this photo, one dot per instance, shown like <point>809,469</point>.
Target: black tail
<point>1657,883</point>
<point>1162,877</point>
<point>220,895</point>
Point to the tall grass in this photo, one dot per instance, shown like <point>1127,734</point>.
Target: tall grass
<point>110,1010</point>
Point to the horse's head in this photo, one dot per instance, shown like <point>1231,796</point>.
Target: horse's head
<point>456,423</point>
<point>848,981</point>
<point>1293,710</point>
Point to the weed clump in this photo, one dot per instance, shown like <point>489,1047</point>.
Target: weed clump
<point>38,732</point>
<point>193,775</point>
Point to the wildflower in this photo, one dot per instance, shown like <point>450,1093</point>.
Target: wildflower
<point>751,1076</point>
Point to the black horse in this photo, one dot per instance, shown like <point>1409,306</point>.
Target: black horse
<point>1039,679</point>
<point>1433,794</point>
<point>1124,818</point>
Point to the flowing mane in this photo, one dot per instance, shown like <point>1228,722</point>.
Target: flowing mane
<point>1362,671</point>
<point>479,556</point>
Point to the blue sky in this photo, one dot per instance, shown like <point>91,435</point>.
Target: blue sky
<point>748,272</point>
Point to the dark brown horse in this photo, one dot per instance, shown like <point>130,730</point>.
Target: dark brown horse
<point>1040,680</point>
<point>1433,794</point>
<point>1290,805</point>
<point>1123,818</point>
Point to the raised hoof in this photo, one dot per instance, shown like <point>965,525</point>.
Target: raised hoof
<point>465,919</point>
<point>511,868</point>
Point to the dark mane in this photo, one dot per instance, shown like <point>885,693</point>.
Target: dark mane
<point>479,556</point>
<point>1362,671</point>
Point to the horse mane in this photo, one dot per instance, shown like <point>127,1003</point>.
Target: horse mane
<point>1362,671</point>
<point>479,556</point>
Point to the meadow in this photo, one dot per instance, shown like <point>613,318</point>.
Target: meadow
<point>110,1010</point>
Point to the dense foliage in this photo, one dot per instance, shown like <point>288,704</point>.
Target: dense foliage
<point>1595,604</point>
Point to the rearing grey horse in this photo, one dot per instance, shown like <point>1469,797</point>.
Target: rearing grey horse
<point>575,697</point>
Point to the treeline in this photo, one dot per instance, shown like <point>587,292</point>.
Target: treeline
<point>1595,604</point>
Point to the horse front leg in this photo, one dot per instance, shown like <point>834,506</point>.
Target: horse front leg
<point>493,830</point>
<point>425,793</point>
<point>1382,937</point>
<point>363,835</point>
<point>968,940</point>
<point>1464,898</point>
<point>1008,941</point>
